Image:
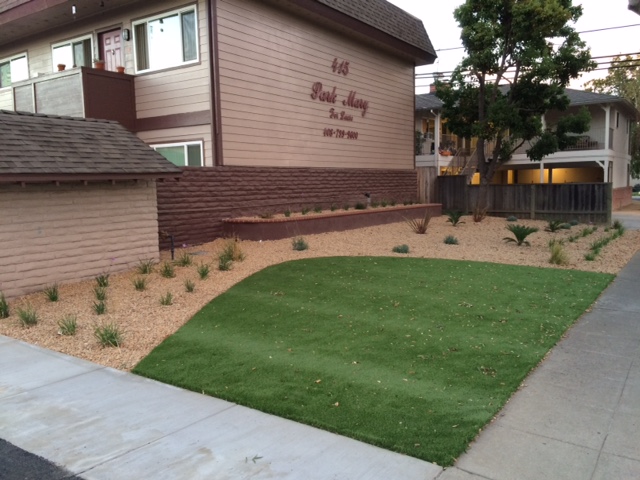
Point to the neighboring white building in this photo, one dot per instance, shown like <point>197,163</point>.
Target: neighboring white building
<point>601,155</point>
<point>634,6</point>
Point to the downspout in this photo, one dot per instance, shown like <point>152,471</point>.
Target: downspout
<point>436,143</point>
<point>607,125</point>
<point>214,82</point>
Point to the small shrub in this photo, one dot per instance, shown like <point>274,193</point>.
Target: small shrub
<point>4,306</point>
<point>558,254</point>
<point>140,284</point>
<point>287,213</point>
<point>317,209</point>
<point>384,203</point>
<point>565,226</point>
<point>553,226</point>
<point>189,286</point>
<point>100,293</point>
<point>103,280</point>
<point>346,206</point>
<point>400,249</point>
<point>27,316</point>
<point>360,206</point>
<point>145,267</point>
<point>266,215</point>
<point>392,203</point>
<point>167,270</point>
<point>184,260</point>
<point>451,240</point>
<point>166,299</point>
<point>333,207</point>
<point>454,217</point>
<point>520,232</point>
<point>374,204</point>
<point>555,241</point>
<point>304,210</point>
<point>233,251</point>
<point>99,308</point>
<point>108,335</point>
<point>67,325</point>
<point>479,214</point>
<point>224,262</point>
<point>574,222</point>
<point>419,225</point>
<point>590,257</point>
<point>512,219</point>
<point>299,244</point>
<point>203,270</point>
<point>52,293</point>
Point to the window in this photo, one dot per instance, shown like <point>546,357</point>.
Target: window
<point>166,41</point>
<point>13,69</point>
<point>181,154</point>
<point>617,119</point>
<point>73,53</point>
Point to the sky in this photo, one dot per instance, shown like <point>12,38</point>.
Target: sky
<point>437,16</point>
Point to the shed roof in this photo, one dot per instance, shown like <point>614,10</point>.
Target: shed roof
<point>49,148</point>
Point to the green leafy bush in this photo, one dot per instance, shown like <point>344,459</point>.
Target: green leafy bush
<point>100,293</point>
<point>167,270</point>
<point>233,250</point>
<point>317,209</point>
<point>103,280</point>
<point>51,292</point>
<point>140,283</point>
<point>166,299</point>
<point>203,270</point>
<point>108,335</point>
<point>400,249</point>
<point>145,267</point>
<point>184,260</point>
<point>360,206</point>
<point>299,244</point>
<point>27,316</point>
<point>67,325</point>
<point>454,216</point>
<point>304,210</point>
<point>99,308</point>
<point>451,240</point>
<point>558,254</point>
<point>520,232</point>
<point>189,286</point>
<point>553,226</point>
<point>512,219</point>
<point>287,213</point>
<point>4,306</point>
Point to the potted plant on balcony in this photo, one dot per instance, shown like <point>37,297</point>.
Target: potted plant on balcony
<point>98,64</point>
<point>61,67</point>
<point>120,69</point>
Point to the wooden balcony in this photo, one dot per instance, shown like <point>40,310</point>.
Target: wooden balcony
<point>79,92</point>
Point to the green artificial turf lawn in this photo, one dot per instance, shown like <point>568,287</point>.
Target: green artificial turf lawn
<point>412,355</point>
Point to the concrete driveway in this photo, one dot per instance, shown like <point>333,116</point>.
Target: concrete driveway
<point>630,215</point>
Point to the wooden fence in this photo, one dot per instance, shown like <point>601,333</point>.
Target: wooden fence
<point>427,184</point>
<point>586,202</point>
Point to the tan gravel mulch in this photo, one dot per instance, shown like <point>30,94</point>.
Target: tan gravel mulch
<point>146,323</point>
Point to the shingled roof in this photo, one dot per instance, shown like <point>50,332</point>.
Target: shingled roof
<point>388,18</point>
<point>36,148</point>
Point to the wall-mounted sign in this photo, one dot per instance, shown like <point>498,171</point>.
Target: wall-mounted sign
<point>332,96</point>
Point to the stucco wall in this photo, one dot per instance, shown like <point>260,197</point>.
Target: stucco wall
<point>192,209</point>
<point>71,232</point>
<point>622,197</point>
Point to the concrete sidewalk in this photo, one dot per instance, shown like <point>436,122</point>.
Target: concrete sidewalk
<point>576,418</point>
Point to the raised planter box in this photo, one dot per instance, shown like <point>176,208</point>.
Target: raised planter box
<point>278,228</point>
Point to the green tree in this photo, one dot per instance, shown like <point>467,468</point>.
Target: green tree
<point>623,80</point>
<point>532,48</point>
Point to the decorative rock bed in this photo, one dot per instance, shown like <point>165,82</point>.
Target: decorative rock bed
<point>251,228</point>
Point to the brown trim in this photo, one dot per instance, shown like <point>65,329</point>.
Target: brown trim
<point>175,120</point>
<point>26,9</point>
<point>81,177</point>
<point>420,56</point>
<point>214,82</point>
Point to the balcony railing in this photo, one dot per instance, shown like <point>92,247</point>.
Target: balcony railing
<point>593,140</point>
<point>79,92</point>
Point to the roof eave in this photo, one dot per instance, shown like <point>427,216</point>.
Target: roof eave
<point>23,178</point>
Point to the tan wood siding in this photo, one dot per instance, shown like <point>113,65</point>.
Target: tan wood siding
<point>55,234</point>
<point>269,61</point>
<point>6,99</point>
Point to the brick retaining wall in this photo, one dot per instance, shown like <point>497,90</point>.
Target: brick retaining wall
<point>192,209</point>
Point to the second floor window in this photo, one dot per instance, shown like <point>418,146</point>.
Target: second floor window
<point>13,69</point>
<point>166,41</point>
<point>73,53</point>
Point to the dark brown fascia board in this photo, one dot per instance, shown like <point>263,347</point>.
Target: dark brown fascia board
<point>421,57</point>
<point>176,120</point>
<point>80,177</point>
<point>28,8</point>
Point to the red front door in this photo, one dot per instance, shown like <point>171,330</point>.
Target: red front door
<point>111,49</point>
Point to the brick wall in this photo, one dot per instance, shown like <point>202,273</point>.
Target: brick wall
<point>55,234</point>
<point>622,197</point>
<point>192,209</point>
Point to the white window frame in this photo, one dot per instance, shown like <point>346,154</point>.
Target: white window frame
<point>70,42</point>
<point>13,58</point>
<point>146,20</point>
<point>186,144</point>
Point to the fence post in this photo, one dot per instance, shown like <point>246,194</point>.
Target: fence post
<point>609,203</point>
<point>532,205</point>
